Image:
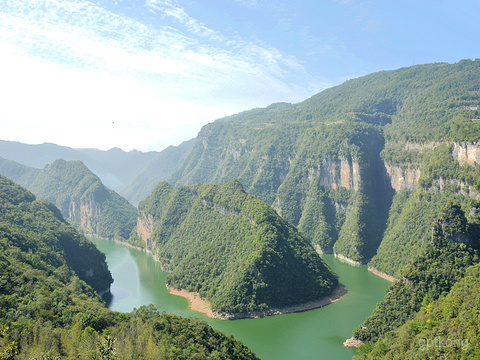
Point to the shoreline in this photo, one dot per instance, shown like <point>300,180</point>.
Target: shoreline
<point>347,260</point>
<point>382,274</point>
<point>202,306</point>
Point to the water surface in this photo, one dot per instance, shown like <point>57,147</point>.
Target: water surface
<point>314,334</point>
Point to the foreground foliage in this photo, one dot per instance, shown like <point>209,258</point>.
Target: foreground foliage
<point>446,328</point>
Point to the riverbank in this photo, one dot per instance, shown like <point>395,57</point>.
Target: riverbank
<point>347,260</point>
<point>381,274</point>
<point>353,343</point>
<point>200,305</point>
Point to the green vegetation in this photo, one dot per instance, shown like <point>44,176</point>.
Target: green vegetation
<point>442,180</point>
<point>36,229</point>
<point>80,195</point>
<point>453,247</point>
<point>49,310</point>
<point>287,155</point>
<point>233,249</point>
<point>446,328</point>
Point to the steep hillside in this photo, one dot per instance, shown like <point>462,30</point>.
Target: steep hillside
<point>21,174</point>
<point>38,229</point>
<point>48,309</point>
<point>79,194</point>
<point>452,247</point>
<point>334,164</point>
<point>446,328</point>
<point>158,169</point>
<point>231,248</point>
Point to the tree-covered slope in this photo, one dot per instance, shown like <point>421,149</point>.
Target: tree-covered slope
<point>231,248</point>
<point>331,163</point>
<point>443,179</point>
<point>21,174</point>
<point>37,228</point>
<point>79,194</point>
<point>158,169</point>
<point>49,310</point>
<point>444,329</point>
<point>453,247</point>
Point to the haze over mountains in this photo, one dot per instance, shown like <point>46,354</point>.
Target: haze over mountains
<point>118,170</point>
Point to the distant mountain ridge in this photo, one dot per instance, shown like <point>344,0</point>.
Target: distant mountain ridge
<point>133,173</point>
<point>158,169</point>
<point>115,167</point>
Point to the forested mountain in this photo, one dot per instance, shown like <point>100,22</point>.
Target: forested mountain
<point>79,194</point>
<point>49,310</point>
<point>40,233</point>
<point>158,169</point>
<point>133,174</point>
<point>335,164</point>
<point>231,248</point>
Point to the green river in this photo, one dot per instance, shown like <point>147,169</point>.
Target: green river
<point>314,334</point>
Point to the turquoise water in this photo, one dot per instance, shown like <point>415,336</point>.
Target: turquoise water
<point>314,334</point>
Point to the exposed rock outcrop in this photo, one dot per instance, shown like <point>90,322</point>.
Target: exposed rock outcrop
<point>466,153</point>
<point>402,178</point>
<point>83,212</point>
<point>353,343</point>
<point>145,226</point>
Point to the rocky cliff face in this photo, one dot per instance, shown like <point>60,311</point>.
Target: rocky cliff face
<point>402,178</point>
<point>407,176</point>
<point>340,173</point>
<point>466,153</point>
<point>144,226</point>
<point>84,213</point>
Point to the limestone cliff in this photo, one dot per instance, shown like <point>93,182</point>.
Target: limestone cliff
<point>402,178</point>
<point>84,212</point>
<point>466,153</point>
<point>144,226</point>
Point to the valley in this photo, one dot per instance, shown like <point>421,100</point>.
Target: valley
<point>139,280</point>
<point>378,175</point>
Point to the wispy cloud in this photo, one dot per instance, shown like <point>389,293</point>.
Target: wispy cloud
<point>73,62</point>
<point>249,3</point>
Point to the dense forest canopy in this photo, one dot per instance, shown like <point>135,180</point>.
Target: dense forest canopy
<point>231,248</point>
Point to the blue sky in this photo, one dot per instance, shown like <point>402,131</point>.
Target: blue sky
<point>146,74</point>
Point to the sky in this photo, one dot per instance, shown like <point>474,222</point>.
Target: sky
<point>146,74</point>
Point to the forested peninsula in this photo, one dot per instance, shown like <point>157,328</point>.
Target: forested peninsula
<point>232,249</point>
<point>49,308</point>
